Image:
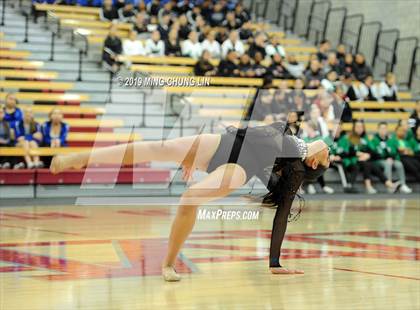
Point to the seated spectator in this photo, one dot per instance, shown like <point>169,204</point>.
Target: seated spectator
<point>388,156</point>
<point>414,120</point>
<point>231,22</point>
<point>112,49</point>
<point>132,46</point>
<point>388,89</point>
<point>222,35</point>
<point>126,13</point>
<point>349,64</point>
<point>233,43</point>
<point>200,27</point>
<point>259,69</point>
<point>258,46</point>
<point>217,15</point>
<point>242,13</point>
<point>191,47</point>
<point>323,50</point>
<point>184,27</point>
<point>54,131</point>
<point>172,46</point>
<point>245,32</point>
<point>141,8</point>
<point>192,14</point>
<point>108,12</point>
<point>408,149</point>
<point>167,9</point>
<point>313,74</point>
<point>361,156</point>
<point>228,67</point>
<point>361,69</point>
<point>262,109</point>
<point>329,81</point>
<point>245,66</point>
<point>295,68</point>
<point>333,64</point>
<point>274,47</point>
<point>277,69</point>
<point>28,136</point>
<point>184,7</point>
<point>203,67</point>
<point>341,53</point>
<point>5,139</point>
<point>298,101</point>
<point>362,91</point>
<point>210,44</point>
<point>140,23</point>
<point>119,3</point>
<point>11,111</point>
<point>154,45</point>
<point>163,27</point>
<point>153,8</point>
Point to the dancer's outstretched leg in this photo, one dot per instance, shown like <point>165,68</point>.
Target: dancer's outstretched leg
<point>218,184</point>
<point>174,150</point>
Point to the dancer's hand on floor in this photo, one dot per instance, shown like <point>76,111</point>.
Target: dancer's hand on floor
<point>283,270</point>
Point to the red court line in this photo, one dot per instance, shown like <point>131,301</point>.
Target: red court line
<point>38,229</point>
<point>378,274</point>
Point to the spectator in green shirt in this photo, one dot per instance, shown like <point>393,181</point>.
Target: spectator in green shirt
<point>359,156</point>
<point>408,149</point>
<point>388,156</point>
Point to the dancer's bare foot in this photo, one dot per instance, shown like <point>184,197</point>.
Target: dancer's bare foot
<point>282,270</point>
<point>63,162</point>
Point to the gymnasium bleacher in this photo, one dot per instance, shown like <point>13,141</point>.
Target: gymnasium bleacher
<point>101,112</point>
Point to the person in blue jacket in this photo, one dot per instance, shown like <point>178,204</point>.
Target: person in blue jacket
<point>28,136</point>
<point>11,112</point>
<point>55,131</point>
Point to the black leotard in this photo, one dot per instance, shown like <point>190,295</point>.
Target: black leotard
<point>258,150</point>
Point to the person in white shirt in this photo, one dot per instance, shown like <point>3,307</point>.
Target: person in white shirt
<point>132,46</point>
<point>233,44</point>
<point>154,45</point>
<point>294,67</point>
<point>275,48</point>
<point>210,44</point>
<point>387,90</point>
<point>191,47</point>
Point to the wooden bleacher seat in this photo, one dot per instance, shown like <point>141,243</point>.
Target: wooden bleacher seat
<point>173,70</point>
<point>221,112</point>
<point>29,74</point>
<point>381,115</point>
<point>7,44</point>
<point>89,123</point>
<point>67,8</point>
<point>42,151</point>
<point>215,101</point>
<point>93,24</point>
<point>52,97</point>
<point>38,85</point>
<point>162,60</point>
<point>214,90</point>
<point>74,110</point>
<point>24,64</point>
<point>78,16</point>
<point>14,54</point>
<point>382,105</point>
<point>370,127</point>
<point>98,32</point>
<point>102,137</point>
<point>300,49</point>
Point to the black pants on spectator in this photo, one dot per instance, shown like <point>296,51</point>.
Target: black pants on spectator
<point>411,165</point>
<point>368,169</point>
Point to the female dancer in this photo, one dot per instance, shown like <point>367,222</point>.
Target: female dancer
<point>280,160</point>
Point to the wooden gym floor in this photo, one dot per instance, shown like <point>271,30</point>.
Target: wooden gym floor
<point>357,254</point>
